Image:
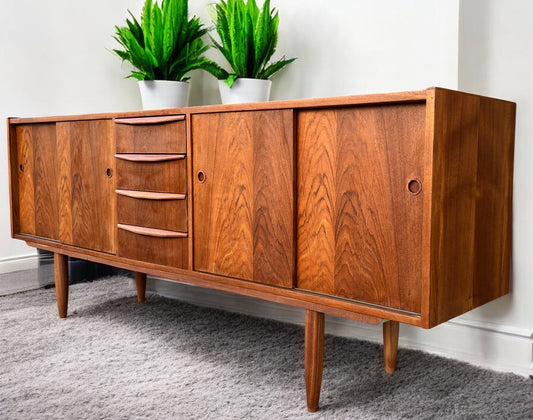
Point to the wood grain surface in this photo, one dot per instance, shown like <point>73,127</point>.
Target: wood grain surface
<point>86,184</point>
<point>404,201</point>
<point>359,226</point>
<point>145,157</point>
<point>61,281</point>
<point>164,134</point>
<point>162,176</point>
<point>37,180</point>
<point>471,216</point>
<point>169,214</point>
<point>243,209</point>
<point>170,252</point>
<point>391,331</point>
<point>314,357</point>
<point>140,283</point>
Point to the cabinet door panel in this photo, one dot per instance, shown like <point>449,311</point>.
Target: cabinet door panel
<point>87,199</point>
<point>359,225</point>
<point>243,208</point>
<point>37,187</point>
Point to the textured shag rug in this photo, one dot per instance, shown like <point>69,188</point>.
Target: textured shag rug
<point>113,358</point>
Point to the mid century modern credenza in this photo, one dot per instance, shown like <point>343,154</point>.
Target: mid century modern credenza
<point>384,207</point>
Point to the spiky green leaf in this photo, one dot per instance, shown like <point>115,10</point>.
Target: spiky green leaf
<point>166,44</point>
<point>272,69</point>
<point>247,38</point>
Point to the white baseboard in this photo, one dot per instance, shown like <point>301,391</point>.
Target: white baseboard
<point>491,346</point>
<point>19,263</point>
<point>24,273</point>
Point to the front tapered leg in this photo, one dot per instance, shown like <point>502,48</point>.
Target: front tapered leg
<point>61,282</point>
<point>391,331</point>
<point>140,280</point>
<point>314,357</point>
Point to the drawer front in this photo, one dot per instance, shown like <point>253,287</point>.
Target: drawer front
<point>163,176</point>
<point>165,134</point>
<point>153,212</point>
<point>167,251</point>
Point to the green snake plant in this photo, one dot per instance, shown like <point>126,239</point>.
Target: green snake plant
<point>165,45</point>
<point>248,38</point>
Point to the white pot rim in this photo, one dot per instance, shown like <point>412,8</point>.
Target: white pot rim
<point>162,81</point>
<point>248,79</point>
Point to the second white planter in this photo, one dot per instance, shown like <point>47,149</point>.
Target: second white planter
<point>245,90</point>
<point>156,94</point>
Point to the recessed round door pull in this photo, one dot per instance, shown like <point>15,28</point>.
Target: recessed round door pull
<point>21,167</point>
<point>414,186</point>
<point>201,177</point>
<point>109,172</point>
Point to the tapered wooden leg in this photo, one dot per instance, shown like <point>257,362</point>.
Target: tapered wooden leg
<point>391,330</point>
<point>140,279</point>
<point>61,281</point>
<point>314,357</point>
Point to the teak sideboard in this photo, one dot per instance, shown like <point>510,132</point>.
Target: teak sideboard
<point>385,207</point>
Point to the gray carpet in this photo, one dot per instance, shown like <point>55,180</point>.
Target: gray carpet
<point>115,359</point>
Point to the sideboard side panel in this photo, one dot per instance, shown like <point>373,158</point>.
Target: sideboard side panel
<point>494,209</point>
<point>471,202</point>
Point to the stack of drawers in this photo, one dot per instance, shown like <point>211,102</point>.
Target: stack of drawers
<point>152,189</point>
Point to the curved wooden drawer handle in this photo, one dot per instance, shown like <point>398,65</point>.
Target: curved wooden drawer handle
<point>149,195</point>
<point>158,233</point>
<point>150,120</point>
<point>148,158</point>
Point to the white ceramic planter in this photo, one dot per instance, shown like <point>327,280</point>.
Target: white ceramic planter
<point>245,90</point>
<point>156,94</point>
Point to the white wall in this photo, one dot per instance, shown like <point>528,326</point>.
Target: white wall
<point>360,46</point>
<point>496,59</point>
<point>55,61</point>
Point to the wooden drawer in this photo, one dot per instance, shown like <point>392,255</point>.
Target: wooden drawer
<point>166,134</point>
<point>154,210</point>
<point>162,173</point>
<point>153,246</point>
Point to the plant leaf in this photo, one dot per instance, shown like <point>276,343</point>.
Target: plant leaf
<point>230,80</point>
<point>248,38</point>
<point>166,44</point>
<point>269,71</point>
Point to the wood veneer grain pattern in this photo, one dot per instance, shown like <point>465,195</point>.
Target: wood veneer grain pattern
<point>359,226</point>
<point>243,210</point>
<point>165,251</point>
<point>87,199</point>
<point>37,174</point>
<point>169,214</point>
<point>471,202</point>
<point>151,135</point>
<point>308,103</point>
<point>273,198</point>
<point>163,176</point>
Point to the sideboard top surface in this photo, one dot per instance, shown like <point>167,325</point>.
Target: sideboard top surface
<point>338,101</point>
